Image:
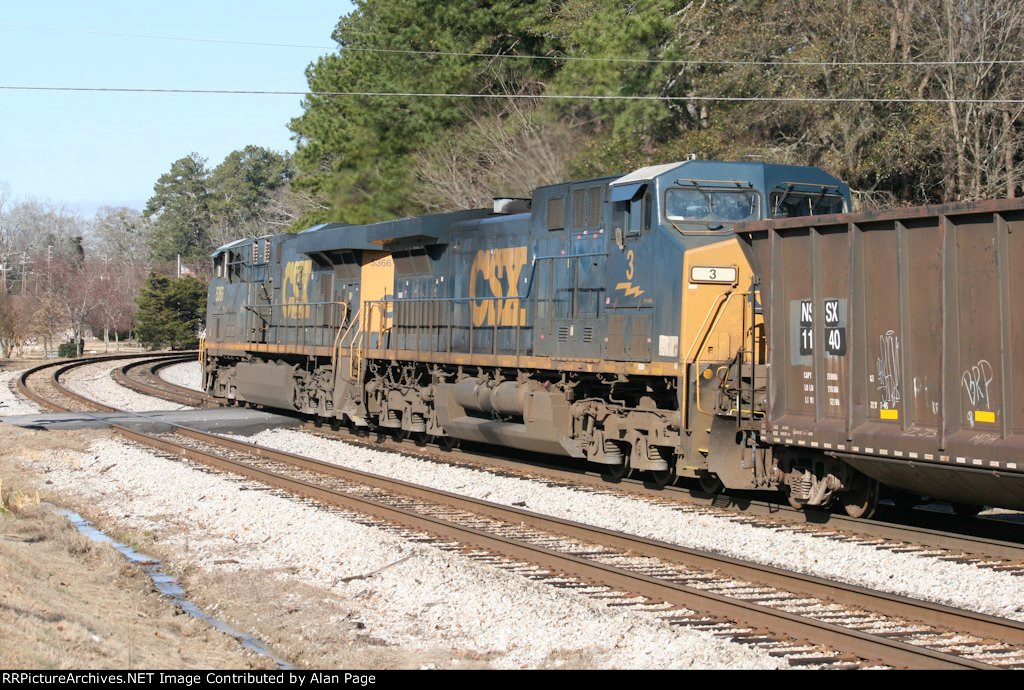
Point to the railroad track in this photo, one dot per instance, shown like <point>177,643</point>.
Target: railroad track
<point>808,620</point>
<point>143,376</point>
<point>984,543</point>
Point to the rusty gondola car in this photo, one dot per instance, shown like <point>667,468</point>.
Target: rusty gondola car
<point>700,319</point>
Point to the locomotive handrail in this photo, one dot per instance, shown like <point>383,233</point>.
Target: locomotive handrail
<point>533,266</point>
<point>290,321</point>
<point>337,336</point>
<point>383,304</point>
<point>721,310</point>
<point>700,330</point>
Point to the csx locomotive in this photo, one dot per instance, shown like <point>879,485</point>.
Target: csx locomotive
<point>727,322</point>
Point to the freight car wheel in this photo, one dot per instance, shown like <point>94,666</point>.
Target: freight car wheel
<point>615,473</point>
<point>662,478</point>
<point>862,500</point>
<point>710,483</point>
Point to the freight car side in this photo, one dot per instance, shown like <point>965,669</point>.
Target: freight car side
<point>896,343</point>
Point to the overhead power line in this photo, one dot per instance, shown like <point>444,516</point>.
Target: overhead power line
<point>545,96</point>
<point>558,58</point>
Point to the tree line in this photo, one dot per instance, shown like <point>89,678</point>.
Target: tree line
<point>910,101</point>
<point>127,271</point>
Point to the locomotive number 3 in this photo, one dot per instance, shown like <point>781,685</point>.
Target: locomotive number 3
<point>629,268</point>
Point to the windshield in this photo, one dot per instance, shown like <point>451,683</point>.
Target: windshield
<point>712,205</point>
<point>795,204</point>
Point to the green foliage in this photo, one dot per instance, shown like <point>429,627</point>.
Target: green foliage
<point>68,349</point>
<point>181,207</point>
<point>816,82</point>
<point>171,312</point>
<point>356,151</point>
<point>196,209</point>
<point>240,186</point>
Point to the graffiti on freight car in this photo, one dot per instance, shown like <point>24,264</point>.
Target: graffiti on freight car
<point>497,271</point>
<point>925,389</point>
<point>889,370</point>
<point>977,380</point>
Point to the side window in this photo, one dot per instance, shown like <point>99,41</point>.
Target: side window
<point>636,215</point>
<point>647,209</point>
<point>620,215</point>
<point>556,213</point>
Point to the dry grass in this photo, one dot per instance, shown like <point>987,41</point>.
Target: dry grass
<point>311,626</point>
<point>68,602</point>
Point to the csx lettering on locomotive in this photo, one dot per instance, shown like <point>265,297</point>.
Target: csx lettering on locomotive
<point>495,274</point>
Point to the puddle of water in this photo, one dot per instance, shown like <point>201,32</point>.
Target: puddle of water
<point>169,586</point>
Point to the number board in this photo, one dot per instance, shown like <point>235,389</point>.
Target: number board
<point>713,274</point>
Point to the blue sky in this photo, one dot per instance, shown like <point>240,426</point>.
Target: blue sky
<point>87,150</point>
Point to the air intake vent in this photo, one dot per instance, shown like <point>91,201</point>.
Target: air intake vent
<point>588,334</point>
<point>563,334</point>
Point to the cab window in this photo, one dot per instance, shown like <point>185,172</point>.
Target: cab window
<point>712,205</point>
<point>799,204</point>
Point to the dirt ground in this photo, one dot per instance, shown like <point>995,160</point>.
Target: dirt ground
<point>69,603</point>
<point>66,602</point>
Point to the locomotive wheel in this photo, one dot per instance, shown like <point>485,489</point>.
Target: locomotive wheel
<point>862,500</point>
<point>966,510</point>
<point>399,435</point>
<point>710,483</point>
<point>420,438</point>
<point>447,443</point>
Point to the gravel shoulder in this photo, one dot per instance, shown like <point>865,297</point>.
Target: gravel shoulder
<point>187,374</point>
<point>324,590</point>
<point>914,575</point>
<point>95,381</point>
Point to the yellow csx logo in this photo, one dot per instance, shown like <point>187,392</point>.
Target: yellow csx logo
<point>219,294</point>
<point>495,273</point>
<point>293,291</point>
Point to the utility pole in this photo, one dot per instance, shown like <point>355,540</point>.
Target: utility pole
<point>25,263</point>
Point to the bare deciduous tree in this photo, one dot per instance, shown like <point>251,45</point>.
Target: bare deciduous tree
<point>507,153</point>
